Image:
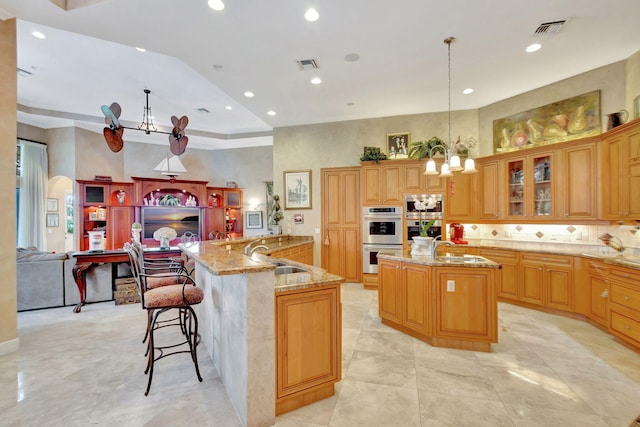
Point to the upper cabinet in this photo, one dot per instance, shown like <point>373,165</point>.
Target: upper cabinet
<point>579,181</point>
<point>489,200</point>
<point>621,173</point>
<point>529,183</point>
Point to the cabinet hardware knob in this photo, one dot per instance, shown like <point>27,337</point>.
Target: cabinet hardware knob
<point>626,298</point>
<point>605,293</point>
<point>627,327</point>
<point>539,268</point>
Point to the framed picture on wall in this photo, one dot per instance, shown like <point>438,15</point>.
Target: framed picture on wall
<point>53,220</point>
<point>253,219</point>
<point>398,145</point>
<point>297,189</point>
<point>52,205</point>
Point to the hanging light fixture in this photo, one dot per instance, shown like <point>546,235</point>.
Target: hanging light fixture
<point>147,119</point>
<point>451,157</point>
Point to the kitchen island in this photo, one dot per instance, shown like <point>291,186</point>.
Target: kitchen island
<point>445,301</point>
<point>275,340</point>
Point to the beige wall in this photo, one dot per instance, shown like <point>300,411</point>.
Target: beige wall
<point>8,116</point>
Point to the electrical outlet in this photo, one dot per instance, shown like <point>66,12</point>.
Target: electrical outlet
<point>578,235</point>
<point>451,285</point>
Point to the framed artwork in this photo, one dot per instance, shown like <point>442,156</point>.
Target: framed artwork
<point>53,220</point>
<point>52,205</point>
<point>398,145</point>
<point>572,118</point>
<point>298,218</point>
<point>297,189</point>
<point>93,216</point>
<point>253,219</point>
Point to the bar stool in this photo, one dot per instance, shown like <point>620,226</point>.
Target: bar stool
<point>163,299</point>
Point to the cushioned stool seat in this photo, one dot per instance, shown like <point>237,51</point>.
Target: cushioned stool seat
<point>172,296</point>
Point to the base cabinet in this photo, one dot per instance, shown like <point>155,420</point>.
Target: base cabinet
<point>308,346</point>
<point>509,264</point>
<point>444,306</point>
<point>547,280</point>
<point>624,305</point>
<point>598,300</point>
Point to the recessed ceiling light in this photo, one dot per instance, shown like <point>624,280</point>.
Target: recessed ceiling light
<point>533,47</point>
<point>141,49</point>
<point>38,35</point>
<point>271,113</point>
<point>351,57</point>
<point>249,94</point>
<point>228,107</point>
<point>316,80</point>
<point>467,91</point>
<point>216,4</point>
<point>311,15</point>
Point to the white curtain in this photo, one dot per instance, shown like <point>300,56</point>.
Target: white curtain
<point>33,195</point>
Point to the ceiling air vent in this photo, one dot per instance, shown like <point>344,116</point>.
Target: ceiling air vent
<point>550,27</point>
<point>202,110</point>
<point>307,64</point>
<point>23,73</point>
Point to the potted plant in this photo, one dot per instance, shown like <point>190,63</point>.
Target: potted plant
<point>373,154</point>
<point>422,242</point>
<point>276,214</point>
<point>422,149</point>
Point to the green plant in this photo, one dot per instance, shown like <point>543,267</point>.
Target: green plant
<point>276,216</point>
<point>372,154</point>
<point>423,149</point>
<point>425,225</point>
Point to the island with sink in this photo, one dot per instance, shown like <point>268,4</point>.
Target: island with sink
<point>270,323</point>
<point>446,301</point>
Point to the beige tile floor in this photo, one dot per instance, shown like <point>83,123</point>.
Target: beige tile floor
<point>87,369</point>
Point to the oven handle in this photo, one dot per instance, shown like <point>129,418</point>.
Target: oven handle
<point>382,218</point>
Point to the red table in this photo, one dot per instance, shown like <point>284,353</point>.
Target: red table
<point>86,260</point>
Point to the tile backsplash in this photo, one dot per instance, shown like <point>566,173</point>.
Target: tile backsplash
<point>565,234</point>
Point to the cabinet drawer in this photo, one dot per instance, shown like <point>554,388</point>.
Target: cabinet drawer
<point>598,269</point>
<point>508,256</point>
<point>625,273</point>
<point>547,259</point>
<point>624,325</point>
<point>626,297</point>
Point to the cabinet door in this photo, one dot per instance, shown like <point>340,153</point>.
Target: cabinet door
<point>233,198</point>
<point>392,185</point>
<point>599,299</point>
<point>488,190</point>
<point>119,220</point>
<point>390,292</point>
<point>633,181</point>
<point>461,197</point>
<point>371,191</point>
<point>413,177</point>
<point>542,188</point>
<point>308,340</point>
<point>613,177</point>
<point>580,182</point>
<point>417,293</point>
<point>559,284</point>
<point>508,261</point>
<point>213,221</point>
<point>532,283</point>
<point>465,303</point>
<point>515,178</point>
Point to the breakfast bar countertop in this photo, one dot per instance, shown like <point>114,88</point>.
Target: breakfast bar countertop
<point>440,261</point>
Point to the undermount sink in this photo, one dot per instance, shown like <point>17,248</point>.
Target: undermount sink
<point>458,259</point>
<point>288,269</point>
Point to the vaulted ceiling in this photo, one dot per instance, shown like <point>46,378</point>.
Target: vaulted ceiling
<point>375,58</point>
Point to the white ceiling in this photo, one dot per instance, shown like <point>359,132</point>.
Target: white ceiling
<point>88,59</point>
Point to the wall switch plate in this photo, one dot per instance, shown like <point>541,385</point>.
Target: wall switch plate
<point>316,230</point>
<point>451,285</point>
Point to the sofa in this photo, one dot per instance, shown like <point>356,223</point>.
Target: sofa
<point>45,280</point>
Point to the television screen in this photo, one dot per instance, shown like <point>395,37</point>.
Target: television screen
<point>181,219</point>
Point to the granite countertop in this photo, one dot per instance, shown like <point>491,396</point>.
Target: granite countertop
<point>472,261</point>
<point>224,258</point>
<point>591,252</point>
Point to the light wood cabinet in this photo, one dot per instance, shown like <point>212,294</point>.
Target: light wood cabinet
<point>382,184</point>
<point>621,173</point>
<point>488,200</point>
<point>624,304</point>
<point>509,268</point>
<point>579,182</point>
<point>308,346</point>
<point>529,187</point>
<point>598,292</point>
<point>444,306</point>
<point>341,214</point>
<point>461,198</point>
<point>466,307</point>
<point>547,280</point>
<point>302,253</point>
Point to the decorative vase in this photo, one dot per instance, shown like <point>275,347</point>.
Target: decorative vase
<point>421,246</point>
<point>164,242</point>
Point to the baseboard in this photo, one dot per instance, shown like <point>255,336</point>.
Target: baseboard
<point>9,346</point>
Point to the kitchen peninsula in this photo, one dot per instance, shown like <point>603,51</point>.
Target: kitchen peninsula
<point>263,329</point>
<point>444,301</point>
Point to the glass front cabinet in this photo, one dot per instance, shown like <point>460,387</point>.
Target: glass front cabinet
<point>531,187</point>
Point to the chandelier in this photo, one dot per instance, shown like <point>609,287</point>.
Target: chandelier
<point>451,157</point>
<point>113,134</point>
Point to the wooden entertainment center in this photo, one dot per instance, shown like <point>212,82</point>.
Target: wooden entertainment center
<point>114,206</point>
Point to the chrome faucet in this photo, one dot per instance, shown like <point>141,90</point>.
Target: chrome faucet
<point>247,249</point>
<point>252,250</point>
<point>435,244</point>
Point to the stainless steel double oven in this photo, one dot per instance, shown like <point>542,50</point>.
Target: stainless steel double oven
<point>428,206</point>
<point>381,230</point>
